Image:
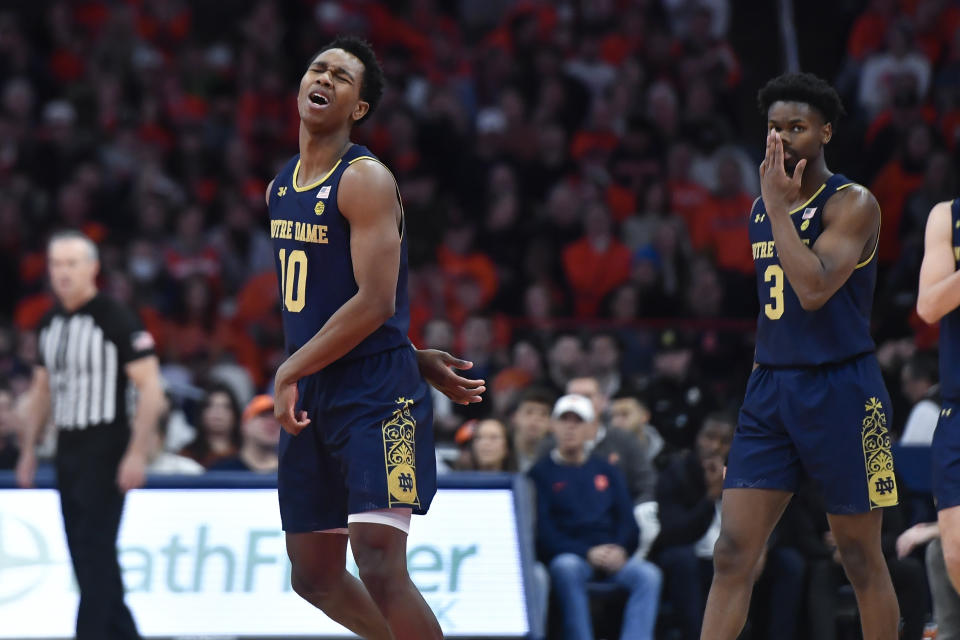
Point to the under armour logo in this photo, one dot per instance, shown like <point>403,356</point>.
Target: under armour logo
<point>405,481</point>
<point>282,191</point>
<point>885,485</point>
<point>946,412</point>
<point>760,217</point>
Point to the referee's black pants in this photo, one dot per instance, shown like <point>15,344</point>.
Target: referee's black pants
<point>87,463</point>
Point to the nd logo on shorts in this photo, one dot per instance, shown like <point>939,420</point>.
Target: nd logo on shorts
<point>881,483</point>
<point>399,456</point>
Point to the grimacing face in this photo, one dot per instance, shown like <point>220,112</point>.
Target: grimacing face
<point>802,130</point>
<point>329,92</point>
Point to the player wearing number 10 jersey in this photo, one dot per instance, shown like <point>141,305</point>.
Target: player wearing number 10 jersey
<point>816,402</point>
<point>356,455</point>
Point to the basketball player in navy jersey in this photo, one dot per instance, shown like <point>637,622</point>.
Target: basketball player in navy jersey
<point>816,401</point>
<point>356,455</point>
<point>938,300</point>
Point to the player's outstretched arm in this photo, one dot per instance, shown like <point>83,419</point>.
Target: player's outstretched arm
<point>437,368</point>
<point>939,291</point>
<point>851,219</point>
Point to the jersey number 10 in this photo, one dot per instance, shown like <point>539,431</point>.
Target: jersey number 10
<point>293,280</point>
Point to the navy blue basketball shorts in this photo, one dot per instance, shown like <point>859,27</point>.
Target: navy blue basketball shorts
<point>830,422</point>
<point>369,445</point>
<point>946,456</point>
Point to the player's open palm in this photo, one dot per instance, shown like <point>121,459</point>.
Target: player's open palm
<point>285,408</point>
<point>438,368</point>
<point>777,189</point>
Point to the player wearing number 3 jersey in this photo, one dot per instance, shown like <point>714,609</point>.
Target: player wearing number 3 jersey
<point>356,455</point>
<point>816,402</point>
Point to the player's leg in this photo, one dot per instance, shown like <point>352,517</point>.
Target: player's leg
<point>949,520</point>
<point>379,543</point>
<point>858,540</point>
<point>763,471</point>
<point>845,444</point>
<point>320,577</point>
<point>946,486</point>
<point>748,516</point>
<point>313,510</point>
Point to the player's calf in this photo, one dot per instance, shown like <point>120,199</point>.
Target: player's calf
<point>380,553</point>
<point>950,533</point>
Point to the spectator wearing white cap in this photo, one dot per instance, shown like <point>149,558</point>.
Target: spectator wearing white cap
<point>586,530</point>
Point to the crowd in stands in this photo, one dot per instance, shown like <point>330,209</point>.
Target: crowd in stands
<point>575,175</point>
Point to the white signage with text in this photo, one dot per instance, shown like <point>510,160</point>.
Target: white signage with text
<point>207,563</point>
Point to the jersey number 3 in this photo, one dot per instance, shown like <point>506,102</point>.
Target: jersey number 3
<point>293,280</point>
<point>774,309</point>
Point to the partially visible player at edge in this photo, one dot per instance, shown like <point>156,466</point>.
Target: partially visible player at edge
<point>938,300</point>
<point>356,455</point>
<point>816,401</point>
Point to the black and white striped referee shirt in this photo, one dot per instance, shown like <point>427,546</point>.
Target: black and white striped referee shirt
<point>85,353</point>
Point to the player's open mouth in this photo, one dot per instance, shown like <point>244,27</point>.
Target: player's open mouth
<point>319,99</point>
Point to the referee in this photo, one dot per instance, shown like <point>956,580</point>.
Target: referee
<point>93,357</point>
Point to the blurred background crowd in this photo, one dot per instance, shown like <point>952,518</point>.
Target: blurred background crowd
<point>576,176</point>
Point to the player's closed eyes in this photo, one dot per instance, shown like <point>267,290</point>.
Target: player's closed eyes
<point>337,75</point>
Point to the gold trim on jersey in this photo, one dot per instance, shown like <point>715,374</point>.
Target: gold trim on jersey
<point>876,245</point>
<point>812,198</point>
<point>403,217</point>
<point>316,184</point>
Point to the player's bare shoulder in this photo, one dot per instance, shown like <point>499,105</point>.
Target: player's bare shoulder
<point>367,185</point>
<point>852,200</point>
<point>939,219</point>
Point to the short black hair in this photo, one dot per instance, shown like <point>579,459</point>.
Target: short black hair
<point>721,416</point>
<point>628,392</point>
<point>536,395</point>
<point>806,88</point>
<point>371,86</point>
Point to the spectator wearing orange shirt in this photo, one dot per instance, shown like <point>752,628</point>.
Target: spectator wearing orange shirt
<point>721,224</point>
<point>869,30</point>
<point>896,180</point>
<point>596,264</point>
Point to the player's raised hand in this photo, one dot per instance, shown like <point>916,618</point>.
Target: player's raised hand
<point>285,406</point>
<point>437,368</point>
<point>778,189</point>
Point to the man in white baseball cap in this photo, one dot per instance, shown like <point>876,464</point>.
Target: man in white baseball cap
<point>586,529</point>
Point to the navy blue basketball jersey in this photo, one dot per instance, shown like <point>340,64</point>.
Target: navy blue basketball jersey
<point>950,325</point>
<point>311,243</point>
<point>789,336</point>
